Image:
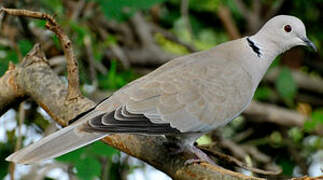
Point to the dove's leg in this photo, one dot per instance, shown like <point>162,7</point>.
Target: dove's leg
<point>185,143</point>
<point>201,156</point>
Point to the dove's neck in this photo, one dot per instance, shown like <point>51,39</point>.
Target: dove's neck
<point>264,52</point>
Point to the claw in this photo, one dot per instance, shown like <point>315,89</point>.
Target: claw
<point>201,156</point>
<point>192,161</point>
<point>177,148</point>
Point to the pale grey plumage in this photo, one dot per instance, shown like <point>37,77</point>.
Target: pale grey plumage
<point>186,97</point>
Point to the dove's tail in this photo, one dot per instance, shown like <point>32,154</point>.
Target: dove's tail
<point>58,143</point>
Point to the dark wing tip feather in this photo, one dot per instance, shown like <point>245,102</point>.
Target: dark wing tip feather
<point>134,123</point>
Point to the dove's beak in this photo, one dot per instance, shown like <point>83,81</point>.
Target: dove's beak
<point>310,44</point>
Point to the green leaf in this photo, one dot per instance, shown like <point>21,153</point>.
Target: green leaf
<point>203,140</point>
<point>100,149</point>
<point>296,134</point>
<point>72,157</point>
<point>276,138</point>
<point>85,160</point>
<point>114,80</point>
<point>205,5</point>
<point>24,46</point>
<point>39,23</point>
<point>6,55</point>
<point>275,63</point>
<point>263,93</point>
<point>286,86</point>
<point>287,165</point>
<point>316,119</point>
<point>55,6</point>
<point>81,32</point>
<point>317,116</point>
<point>121,10</point>
<point>88,168</point>
<point>56,42</point>
<point>170,46</point>
<point>3,66</point>
<point>309,125</point>
<point>5,150</point>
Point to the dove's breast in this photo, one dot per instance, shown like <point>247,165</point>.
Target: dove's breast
<point>233,90</point>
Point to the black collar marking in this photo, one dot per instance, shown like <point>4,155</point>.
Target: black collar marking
<point>253,46</point>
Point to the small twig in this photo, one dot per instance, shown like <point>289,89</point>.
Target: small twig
<point>57,61</point>
<point>235,161</point>
<point>253,19</point>
<point>72,65</point>
<point>242,8</point>
<point>243,135</point>
<point>256,8</point>
<point>274,9</point>
<point>226,18</point>
<point>105,166</point>
<point>308,178</point>
<point>185,15</point>
<point>90,60</point>
<point>143,30</point>
<point>293,151</point>
<point>16,48</point>
<point>302,79</point>
<point>100,67</point>
<point>120,55</point>
<point>70,172</point>
<point>256,154</point>
<point>21,120</point>
<point>148,48</point>
<point>235,149</point>
<point>77,9</point>
<point>172,37</point>
<point>261,112</point>
<point>2,17</point>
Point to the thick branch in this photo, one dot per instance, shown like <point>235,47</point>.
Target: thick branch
<point>302,80</point>
<point>148,48</point>
<point>37,80</point>
<point>9,92</point>
<point>274,114</point>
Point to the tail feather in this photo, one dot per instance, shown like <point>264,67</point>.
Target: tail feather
<point>58,143</point>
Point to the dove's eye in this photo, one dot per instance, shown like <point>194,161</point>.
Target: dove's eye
<point>288,28</point>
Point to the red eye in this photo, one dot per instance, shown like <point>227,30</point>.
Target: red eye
<point>288,28</point>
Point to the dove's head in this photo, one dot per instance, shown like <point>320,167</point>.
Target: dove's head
<point>286,32</point>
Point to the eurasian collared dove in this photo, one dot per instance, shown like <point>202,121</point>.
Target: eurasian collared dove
<point>183,99</point>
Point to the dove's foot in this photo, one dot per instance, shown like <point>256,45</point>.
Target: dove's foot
<point>201,156</point>
<point>177,148</point>
<point>177,144</point>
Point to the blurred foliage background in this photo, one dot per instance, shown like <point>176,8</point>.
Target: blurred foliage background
<point>117,41</point>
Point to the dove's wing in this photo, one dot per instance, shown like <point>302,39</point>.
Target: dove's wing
<point>191,97</point>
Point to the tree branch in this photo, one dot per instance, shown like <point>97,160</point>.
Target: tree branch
<point>271,113</point>
<point>226,18</point>
<point>10,93</point>
<point>302,80</point>
<point>235,161</point>
<point>72,65</point>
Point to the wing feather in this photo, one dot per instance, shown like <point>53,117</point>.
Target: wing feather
<point>189,98</point>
